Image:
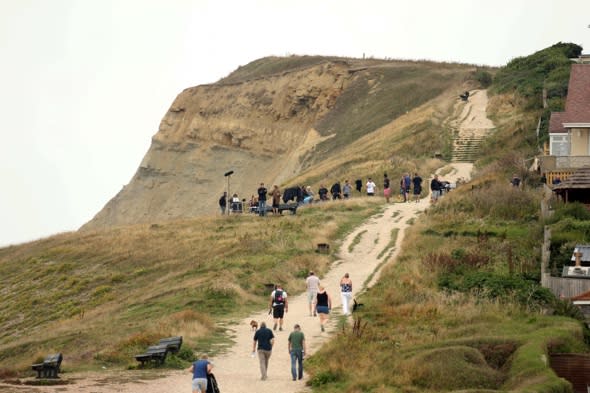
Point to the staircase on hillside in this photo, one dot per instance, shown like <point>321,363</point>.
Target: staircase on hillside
<point>466,146</point>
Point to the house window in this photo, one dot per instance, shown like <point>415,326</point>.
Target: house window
<point>560,145</point>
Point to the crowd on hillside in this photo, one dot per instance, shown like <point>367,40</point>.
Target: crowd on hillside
<point>265,200</point>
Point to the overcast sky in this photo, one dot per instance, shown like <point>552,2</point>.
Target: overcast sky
<point>85,83</point>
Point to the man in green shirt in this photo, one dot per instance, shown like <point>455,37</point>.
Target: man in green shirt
<point>297,350</point>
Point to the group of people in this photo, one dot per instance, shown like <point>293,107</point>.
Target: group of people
<point>320,305</point>
<point>405,186</point>
<point>410,188</point>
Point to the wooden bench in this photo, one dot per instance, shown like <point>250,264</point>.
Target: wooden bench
<point>157,353</point>
<point>50,366</point>
<point>173,344</point>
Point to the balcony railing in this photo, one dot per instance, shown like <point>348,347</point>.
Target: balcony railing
<point>555,163</point>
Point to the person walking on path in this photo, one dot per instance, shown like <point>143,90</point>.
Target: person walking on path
<point>386,189</point>
<point>435,187</point>
<point>223,203</point>
<point>279,305</point>
<point>407,183</point>
<point>417,180</point>
<point>297,350</point>
<point>346,189</point>
<point>346,293</point>
<point>312,282</point>
<point>200,369</point>
<point>265,339</point>
<point>276,199</point>
<point>371,187</point>
<point>323,305</point>
<point>262,199</point>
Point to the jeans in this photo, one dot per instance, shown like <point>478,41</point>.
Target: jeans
<point>261,208</point>
<point>297,356</point>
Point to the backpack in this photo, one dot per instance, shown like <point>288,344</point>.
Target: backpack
<point>279,298</point>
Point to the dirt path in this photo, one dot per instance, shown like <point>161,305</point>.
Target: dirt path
<point>236,370</point>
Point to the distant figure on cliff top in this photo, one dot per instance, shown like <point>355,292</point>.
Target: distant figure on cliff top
<point>262,199</point>
<point>223,203</point>
<point>336,191</point>
<point>371,187</point>
<point>359,184</point>
<point>276,199</point>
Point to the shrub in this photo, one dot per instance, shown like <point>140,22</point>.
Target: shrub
<point>498,286</point>
<point>483,77</point>
<point>574,210</point>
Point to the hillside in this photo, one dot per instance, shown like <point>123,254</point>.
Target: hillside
<point>459,307</point>
<point>270,121</point>
<point>74,284</point>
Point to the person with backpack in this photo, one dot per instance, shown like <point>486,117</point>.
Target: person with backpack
<point>279,306</point>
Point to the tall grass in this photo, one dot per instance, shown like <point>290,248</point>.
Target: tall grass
<point>102,296</point>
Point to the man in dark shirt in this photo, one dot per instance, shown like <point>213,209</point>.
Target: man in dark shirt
<point>359,184</point>
<point>417,180</point>
<point>223,203</point>
<point>266,339</point>
<point>435,188</point>
<point>323,193</point>
<point>336,191</point>
<point>262,199</point>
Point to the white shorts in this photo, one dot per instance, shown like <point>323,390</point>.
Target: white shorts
<point>200,384</point>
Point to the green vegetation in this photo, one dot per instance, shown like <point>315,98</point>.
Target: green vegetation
<point>570,225</point>
<point>269,66</point>
<point>356,240</point>
<point>113,293</point>
<point>547,69</point>
<point>462,309</point>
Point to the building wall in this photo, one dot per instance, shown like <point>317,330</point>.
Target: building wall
<point>579,142</point>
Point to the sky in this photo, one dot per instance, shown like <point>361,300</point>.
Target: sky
<point>84,84</point>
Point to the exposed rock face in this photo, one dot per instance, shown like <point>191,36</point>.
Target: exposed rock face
<point>258,128</point>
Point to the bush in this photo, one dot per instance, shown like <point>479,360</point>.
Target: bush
<point>572,210</point>
<point>483,77</point>
<point>527,75</point>
<point>498,286</point>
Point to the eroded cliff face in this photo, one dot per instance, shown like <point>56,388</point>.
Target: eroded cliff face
<point>258,128</point>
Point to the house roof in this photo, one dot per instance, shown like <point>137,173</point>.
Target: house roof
<point>556,122</point>
<point>579,179</point>
<point>577,104</point>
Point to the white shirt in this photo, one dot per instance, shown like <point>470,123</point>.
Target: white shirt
<point>313,283</point>
<point>370,187</point>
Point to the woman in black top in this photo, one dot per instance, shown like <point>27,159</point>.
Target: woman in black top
<point>323,304</point>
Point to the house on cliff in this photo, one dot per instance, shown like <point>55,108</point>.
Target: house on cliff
<point>569,131</point>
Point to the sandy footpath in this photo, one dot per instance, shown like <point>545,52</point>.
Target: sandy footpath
<point>236,370</point>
